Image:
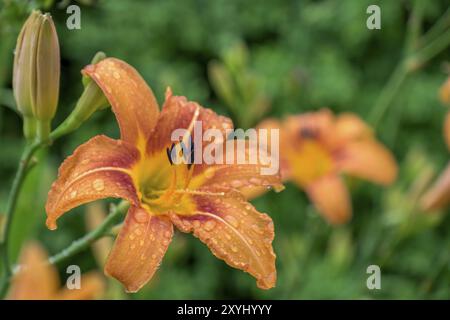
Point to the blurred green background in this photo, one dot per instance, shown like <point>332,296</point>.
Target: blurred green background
<point>281,57</point>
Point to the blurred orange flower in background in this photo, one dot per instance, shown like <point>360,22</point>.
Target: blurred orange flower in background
<point>38,280</point>
<point>439,194</point>
<point>316,148</point>
<point>199,198</point>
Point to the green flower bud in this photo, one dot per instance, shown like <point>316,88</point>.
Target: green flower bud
<point>36,73</point>
<point>91,100</point>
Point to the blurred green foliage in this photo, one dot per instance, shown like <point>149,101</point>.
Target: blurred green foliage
<point>299,56</point>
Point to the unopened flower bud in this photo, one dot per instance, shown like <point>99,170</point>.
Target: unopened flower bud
<point>37,71</point>
<point>91,100</point>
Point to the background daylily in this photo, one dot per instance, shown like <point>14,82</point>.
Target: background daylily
<point>316,148</point>
<point>439,194</point>
<point>38,280</point>
<point>201,199</point>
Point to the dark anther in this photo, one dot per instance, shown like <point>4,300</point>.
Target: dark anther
<point>192,158</point>
<point>308,133</point>
<point>169,153</point>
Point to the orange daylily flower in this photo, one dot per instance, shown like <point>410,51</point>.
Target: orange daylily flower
<point>202,199</point>
<point>316,148</point>
<point>38,280</point>
<point>439,194</point>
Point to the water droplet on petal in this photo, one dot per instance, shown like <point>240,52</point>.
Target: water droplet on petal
<point>232,220</point>
<point>236,183</point>
<point>141,216</point>
<point>255,180</point>
<point>98,184</point>
<point>116,75</point>
<point>234,249</point>
<point>73,194</point>
<point>209,225</point>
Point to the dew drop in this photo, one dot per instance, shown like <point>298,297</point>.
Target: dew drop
<point>141,243</point>
<point>167,234</point>
<point>196,224</point>
<point>236,183</point>
<point>141,216</point>
<point>234,249</point>
<point>73,194</point>
<point>232,220</point>
<point>116,75</point>
<point>132,237</point>
<point>255,180</point>
<point>209,225</point>
<point>98,184</point>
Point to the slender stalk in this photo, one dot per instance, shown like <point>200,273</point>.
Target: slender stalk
<point>85,241</point>
<point>387,94</point>
<point>439,27</point>
<point>27,155</point>
<point>409,64</point>
<point>432,49</point>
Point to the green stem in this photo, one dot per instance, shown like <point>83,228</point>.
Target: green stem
<point>408,65</point>
<point>431,50</point>
<point>387,94</point>
<point>27,154</point>
<point>84,242</point>
<point>439,27</point>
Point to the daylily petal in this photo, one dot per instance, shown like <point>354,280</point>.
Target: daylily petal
<point>444,92</point>
<point>179,113</point>
<point>316,126</point>
<point>92,287</point>
<point>349,127</point>
<point>368,160</point>
<point>99,168</point>
<point>239,176</point>
<point>331,198</point>
<point>447,129</point>
<point>439,194</point>
<point>37,280</point>
<point>235,232</point>
<point>139,248</point>
<point>131,99</point>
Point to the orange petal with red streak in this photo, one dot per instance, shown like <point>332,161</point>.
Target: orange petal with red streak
<point>368,160</point>
<point>99,168</point>
<point>131,99</point>
<point>139,248</point>
<point>37,280</point>
<point>331,198</point>
<point>245,175</point>
<point>179,113</point>
<point>235,232</point>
